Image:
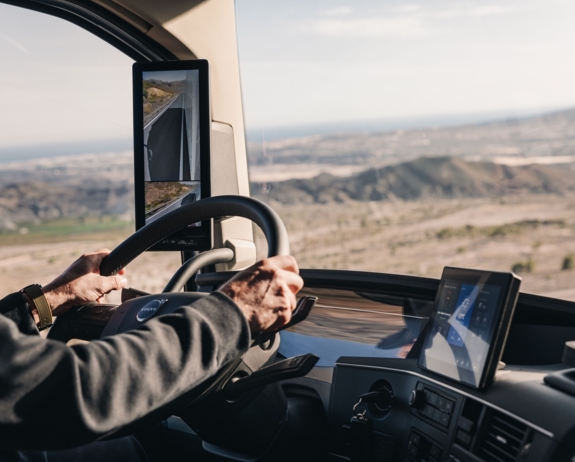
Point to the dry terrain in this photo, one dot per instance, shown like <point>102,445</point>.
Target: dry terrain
<point>158,194</point>
<point>532,234</point>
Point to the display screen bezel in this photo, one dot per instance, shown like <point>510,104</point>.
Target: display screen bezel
<point>508,285</point>
<point>196,238</point>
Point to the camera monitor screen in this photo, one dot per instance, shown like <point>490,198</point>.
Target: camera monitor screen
<point>469,325</point>
<point>172,146</point>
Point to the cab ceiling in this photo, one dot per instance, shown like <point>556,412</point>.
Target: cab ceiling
<point>152,16</point>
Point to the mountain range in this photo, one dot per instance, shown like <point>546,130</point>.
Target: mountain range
<point>424,178</point>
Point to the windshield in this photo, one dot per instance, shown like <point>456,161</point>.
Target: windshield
<point>403,138</point>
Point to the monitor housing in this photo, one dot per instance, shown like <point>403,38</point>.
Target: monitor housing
<point>466,333</point>
<point>172,124</point>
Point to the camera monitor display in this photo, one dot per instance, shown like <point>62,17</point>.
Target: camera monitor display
<point>469,325</point>
<point>172,146</point>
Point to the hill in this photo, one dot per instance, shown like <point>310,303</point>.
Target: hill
<point>171,87</point>
<point>424,178</point>
<point>66,187</point>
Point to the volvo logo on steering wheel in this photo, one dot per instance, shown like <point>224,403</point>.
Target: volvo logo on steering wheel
<point>148,310</point>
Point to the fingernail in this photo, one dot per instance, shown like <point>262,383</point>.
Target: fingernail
<point>123,282</point>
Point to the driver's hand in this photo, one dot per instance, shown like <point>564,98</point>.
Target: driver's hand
<point>81,283</point>
<point>265,292</point>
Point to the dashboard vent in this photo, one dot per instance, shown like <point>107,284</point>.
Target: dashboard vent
<point>503,439</point>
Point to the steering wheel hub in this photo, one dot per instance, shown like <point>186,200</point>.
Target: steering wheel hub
<point>148,310</point>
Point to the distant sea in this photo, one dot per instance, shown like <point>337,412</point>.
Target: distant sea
<point>29,152</point>
<point>257,134</point>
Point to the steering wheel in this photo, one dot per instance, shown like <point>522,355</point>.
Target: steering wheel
<point>96,320</point>
<point>112,321</point>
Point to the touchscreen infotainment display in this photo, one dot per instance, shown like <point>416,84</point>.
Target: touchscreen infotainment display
<point>172,141</point>
<point>469,325</point>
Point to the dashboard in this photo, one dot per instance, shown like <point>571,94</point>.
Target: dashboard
<point>424,416</point>
<point>517,418</point>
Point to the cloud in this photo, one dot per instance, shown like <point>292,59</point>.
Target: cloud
<point>408,8</point>
<point>485,10</point>
<point>488,10</point>
<point>407,21</point>
<point>399,27</point>
<point>338,11</point>
<point>14,43</point>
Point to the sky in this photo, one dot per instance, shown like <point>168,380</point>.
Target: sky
<point>60,85</point>
<point>166,76</point>
<point>304,63</point>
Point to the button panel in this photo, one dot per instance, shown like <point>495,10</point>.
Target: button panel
<point>421,448</point>
<point>438,407</point>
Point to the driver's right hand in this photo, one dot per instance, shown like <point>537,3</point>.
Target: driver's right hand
<point>265,292</point>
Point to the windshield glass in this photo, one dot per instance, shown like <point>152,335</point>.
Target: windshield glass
<point>403,138</point>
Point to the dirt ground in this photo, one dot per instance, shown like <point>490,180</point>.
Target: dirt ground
<point>533,233</point>
<point>420,238</point>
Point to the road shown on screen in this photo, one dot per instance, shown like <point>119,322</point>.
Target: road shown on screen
<point>168,154</point>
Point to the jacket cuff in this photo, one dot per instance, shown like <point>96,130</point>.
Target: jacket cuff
<point>16,308</point>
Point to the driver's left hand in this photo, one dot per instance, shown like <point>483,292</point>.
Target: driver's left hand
<point>82,283</point>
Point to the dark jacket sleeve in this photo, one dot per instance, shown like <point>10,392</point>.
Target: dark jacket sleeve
<point>16,308</point>
<point>54,396</point>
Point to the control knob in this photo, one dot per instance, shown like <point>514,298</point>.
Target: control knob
<point>417,399</point>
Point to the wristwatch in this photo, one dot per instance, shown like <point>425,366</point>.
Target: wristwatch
<point>34,291</point>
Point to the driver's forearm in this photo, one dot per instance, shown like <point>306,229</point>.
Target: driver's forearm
<point>65,396</point>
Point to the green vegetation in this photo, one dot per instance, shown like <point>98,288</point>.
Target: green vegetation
<point>64,228</point>
<point>497,231</point>
<point>527,266</point>
<point>568,262</point>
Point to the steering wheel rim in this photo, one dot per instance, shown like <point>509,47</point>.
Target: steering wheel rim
<point>213,207</point>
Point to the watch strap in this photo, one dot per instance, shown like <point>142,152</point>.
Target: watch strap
<point>34,291</point>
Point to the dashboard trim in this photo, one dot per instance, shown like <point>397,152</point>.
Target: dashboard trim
<point>453,389</point>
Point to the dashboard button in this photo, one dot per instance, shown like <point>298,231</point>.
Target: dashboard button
<point>433,398</point>
<point>444,419</point>
<point>441,403</point>
<point>434,451</point>
<point>437,415</point>
<point>414,439</point>
<point>466,424</point>
<point>412,450</point>
<point>463,437</point>
<point>428,411</point>
<point>448,406</point>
